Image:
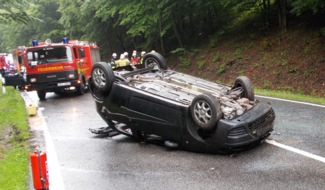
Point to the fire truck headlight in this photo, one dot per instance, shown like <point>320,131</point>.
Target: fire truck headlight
<point>71,76</point>
<point>33,80</point>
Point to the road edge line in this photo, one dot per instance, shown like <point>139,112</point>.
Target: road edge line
<point>292,101</point>
<point>55,176</point>
<point>295,150</point>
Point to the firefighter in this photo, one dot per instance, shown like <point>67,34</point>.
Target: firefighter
<point>126,55</point>
<point>134,58</point>
<point>143,53</point>
<point>122,62</point>
<point>113,60</point>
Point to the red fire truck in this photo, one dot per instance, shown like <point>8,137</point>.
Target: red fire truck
<point>57,67</point>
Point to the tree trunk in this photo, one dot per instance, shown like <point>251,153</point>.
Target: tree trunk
<point>282,15</point>
<point>176,32</point>
<point>162,45</point>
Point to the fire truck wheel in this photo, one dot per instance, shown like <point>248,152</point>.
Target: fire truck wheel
<point>41,94</point>
<point>153,59</point>
<point>103,77</point>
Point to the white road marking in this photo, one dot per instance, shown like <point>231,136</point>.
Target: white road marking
<point>292,101</point>
<point>55,176</point>
<point>301,152</point>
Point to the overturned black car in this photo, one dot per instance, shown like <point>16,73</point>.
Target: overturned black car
<point>150,101</point>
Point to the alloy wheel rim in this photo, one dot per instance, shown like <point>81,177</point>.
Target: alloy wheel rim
<point>99,78</point>
<point>202,112</point>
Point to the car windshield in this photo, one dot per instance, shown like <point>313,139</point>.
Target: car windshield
<point>48,55</point>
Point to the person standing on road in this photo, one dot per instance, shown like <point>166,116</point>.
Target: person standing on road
<point>134,58</point>
<point>113,60</point>
<point>126,55</point>
<point>122,62</point>
<point>143,53</point>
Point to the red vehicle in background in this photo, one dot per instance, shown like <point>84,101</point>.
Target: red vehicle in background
<point>58,67</point>
<point>3,63</point>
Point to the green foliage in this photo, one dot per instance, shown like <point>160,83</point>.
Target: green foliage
<point>16,34</point>
<point>300,6</point>
<point>179,51</point>
<point>309,72</point>
<point>287,94</point>
<point>202,56</point>
<point>266,84</point>
<point>184,62</point>
<point>201,65</point>
<point>216,57</point>
<point>277,73</point>
<point>283,62</point>
<point>14,11</point>
<point>14,136</point>
<point>238,53</point>
<point>322,31</point>
<point>119,26</point>
<point>266,43</point>
<point>213,41</point>
<point>221,69</point>
<point>292,69</point>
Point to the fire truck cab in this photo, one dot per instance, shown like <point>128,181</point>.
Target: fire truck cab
<point>58,67</point>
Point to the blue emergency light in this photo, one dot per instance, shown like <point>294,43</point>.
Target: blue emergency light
<point>35,43</point>
<point>65,40</point>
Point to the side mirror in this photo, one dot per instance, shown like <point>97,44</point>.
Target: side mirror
<point>20,59</point>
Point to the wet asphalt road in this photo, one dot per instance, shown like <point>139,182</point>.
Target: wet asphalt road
<point>86,161</point>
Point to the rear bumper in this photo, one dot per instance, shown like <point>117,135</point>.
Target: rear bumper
<point>14,80</point>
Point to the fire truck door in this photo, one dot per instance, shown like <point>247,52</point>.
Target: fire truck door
<point>80,59</point>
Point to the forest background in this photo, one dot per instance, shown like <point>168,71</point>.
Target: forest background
<point>278,44</point>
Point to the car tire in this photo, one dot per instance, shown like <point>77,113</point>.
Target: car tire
<point>102,77</point>
<point>41,94</point>
<point>247,85</point>
<point>205,111</point>
<point>154,59</point>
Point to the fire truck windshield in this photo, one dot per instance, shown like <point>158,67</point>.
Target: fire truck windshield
<point>49,55</point>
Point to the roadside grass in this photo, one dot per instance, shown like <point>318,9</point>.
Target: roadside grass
<point>14,135</point>
<point>290,96</point>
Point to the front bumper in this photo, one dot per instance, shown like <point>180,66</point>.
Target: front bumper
<point>254,125</point>
<point>54,86</point>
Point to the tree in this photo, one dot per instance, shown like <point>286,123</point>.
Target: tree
<point>300,6</point>
<point>17,34</point>
<point>13,11</point>
<point>282,14</point>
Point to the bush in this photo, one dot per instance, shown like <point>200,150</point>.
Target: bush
<point>185,62</point>
<point>201,64</point>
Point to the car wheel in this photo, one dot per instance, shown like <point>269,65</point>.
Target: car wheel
<point>153,59</point>
<point>102,76</point>
<point>247,86</point>
<point>205,111</point>
<point>41,94</point>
